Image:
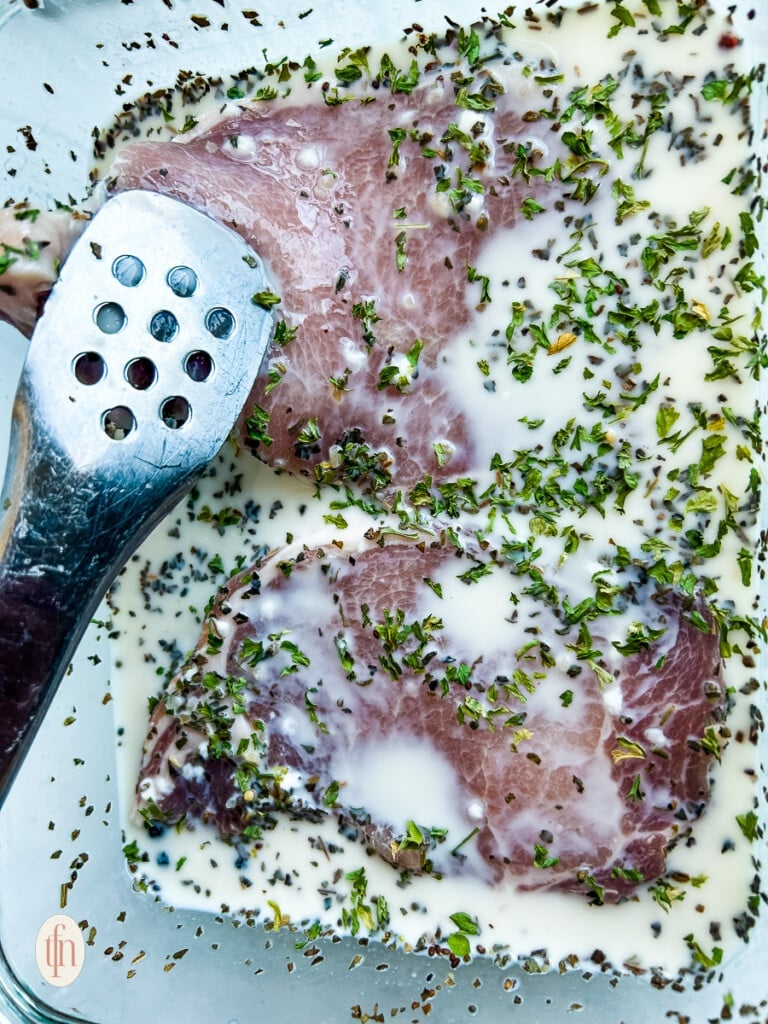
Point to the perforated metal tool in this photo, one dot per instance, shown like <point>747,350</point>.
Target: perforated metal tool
<point>136,373</point>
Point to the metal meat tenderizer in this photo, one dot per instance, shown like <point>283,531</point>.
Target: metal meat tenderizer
<point>136,373</point>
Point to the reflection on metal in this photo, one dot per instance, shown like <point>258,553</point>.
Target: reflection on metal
<point>96,461</point>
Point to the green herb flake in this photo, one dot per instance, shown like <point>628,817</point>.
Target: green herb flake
<point>397,136</point>
<point>542,858</point>
<point>131,852</point>
<point>256,427</point>
<point>365,312</point>
<point>666,417</point>
<point>468,45</point>
<point>331,795</point>
<point>665,894</point>
<point>29,214</point>
<point>626,750</point>
<point>726,91</point>
<point>474,101</point>
<point>707,960</point>
<point>283,334</point>
<point>399,81</point>
<point>623,17</point>
<point>413,838</point>
<point>627,203</point>
<point>485,281</point>
<point>628,874</point>
<point>443,451</point>
<point>529,208</point>
<point>401,256</point>
<point>266,299</point>
<point>458,943</point>
<point>744,560</point>
<point>465,923</point>
<point>345,656</point>
<point>749,824</point>
<point>710,743</point>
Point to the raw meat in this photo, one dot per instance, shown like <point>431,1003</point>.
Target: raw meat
<point>32,247</point>
<point>370,243</point>
<point>603,782</point>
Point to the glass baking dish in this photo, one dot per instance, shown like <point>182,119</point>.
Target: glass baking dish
<point>64,69</point>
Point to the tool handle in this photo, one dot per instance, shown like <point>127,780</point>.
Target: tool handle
<point>52,556</point>
<point>65,533</point>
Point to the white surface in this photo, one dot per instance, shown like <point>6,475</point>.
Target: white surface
<point>60,47</point>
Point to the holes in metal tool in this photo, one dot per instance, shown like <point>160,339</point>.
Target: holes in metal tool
<point>198,365</point>
<point>141,373</point>
<point>182,281</point>
<point>220,322</point>
<point>89,368</point>
<point>118,422</point>
<point>175,412</point>
<point>129,270</point>
<point>110,317</point>
<point>163,326</point>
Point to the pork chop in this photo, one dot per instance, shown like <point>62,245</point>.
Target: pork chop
<point>558,778</point>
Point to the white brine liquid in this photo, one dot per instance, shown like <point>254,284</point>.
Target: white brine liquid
<point>305,872</point>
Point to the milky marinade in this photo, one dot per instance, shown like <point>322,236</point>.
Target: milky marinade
<point>609,377</point>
